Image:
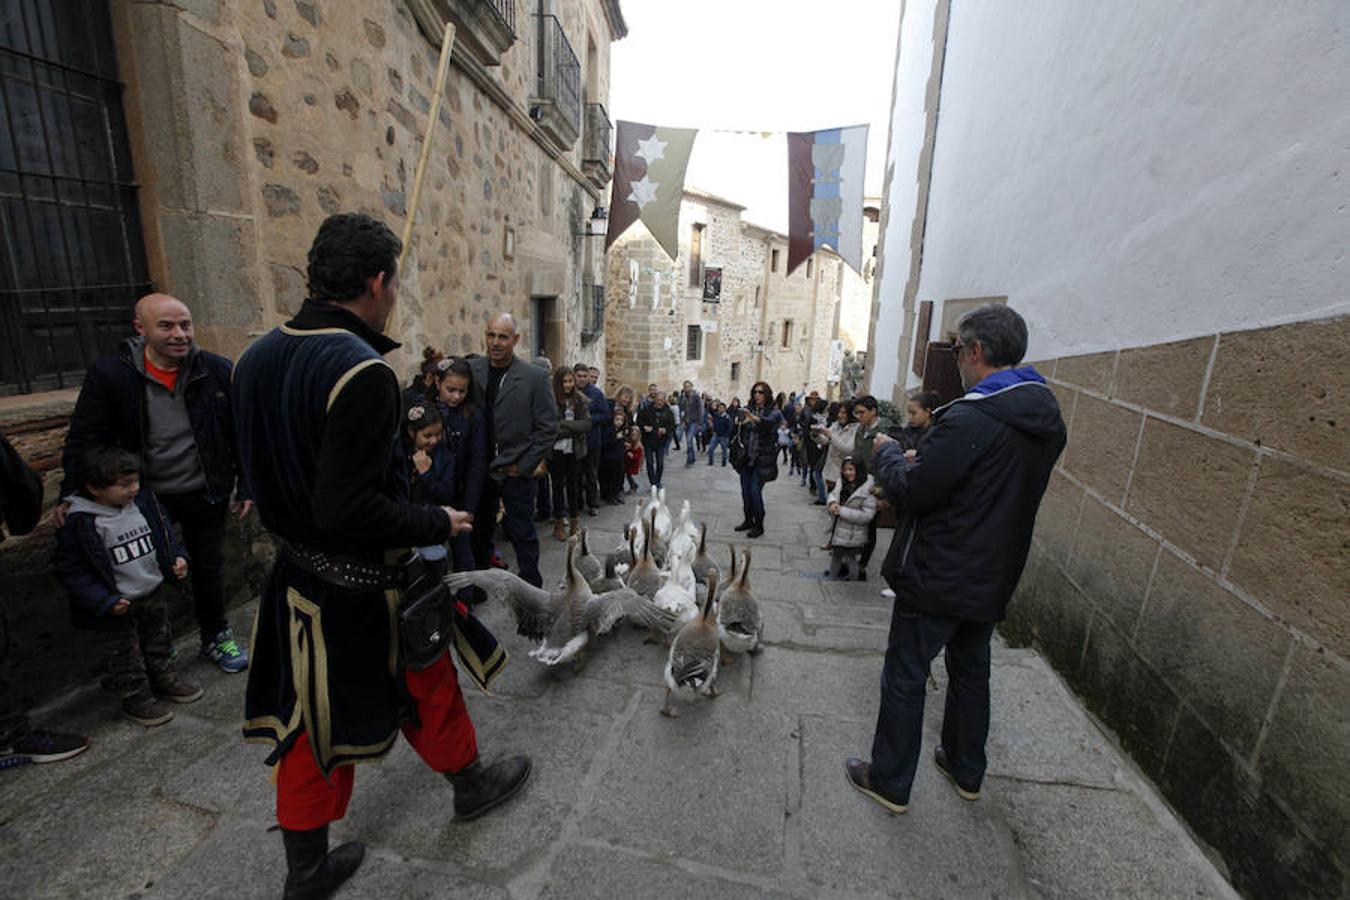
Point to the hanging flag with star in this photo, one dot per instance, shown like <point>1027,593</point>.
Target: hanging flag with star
<point>649,164</point>
<point>825,193</point>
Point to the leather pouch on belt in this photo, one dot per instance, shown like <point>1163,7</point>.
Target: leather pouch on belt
<point>425,616</point>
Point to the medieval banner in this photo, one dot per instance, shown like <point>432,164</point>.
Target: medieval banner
<point>825,193</point>
<point>649,166</point>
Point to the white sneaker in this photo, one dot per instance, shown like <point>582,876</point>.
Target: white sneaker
<point>888,593</point>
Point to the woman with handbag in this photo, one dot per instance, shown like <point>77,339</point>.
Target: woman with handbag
<point>754,454</point>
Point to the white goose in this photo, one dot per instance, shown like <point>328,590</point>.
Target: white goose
<point>678,595</point>
<point>564,621</point>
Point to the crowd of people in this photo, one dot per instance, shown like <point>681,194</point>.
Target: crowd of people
<point>349,470</point>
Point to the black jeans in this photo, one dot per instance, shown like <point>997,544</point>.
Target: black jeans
<point>517,495</point>
<point>752,494</point>
<point>590,476</point>
<point>868,547</point>
<point>656,462</point>
<point>203,525</point>
<point>564,471</point>
<point>13,722</point>
<point>915,639</point>
<point>611,475</point>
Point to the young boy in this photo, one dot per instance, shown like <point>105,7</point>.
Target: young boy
<point>116,556</point>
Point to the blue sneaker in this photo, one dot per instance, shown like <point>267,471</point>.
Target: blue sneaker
<point>225,652</point>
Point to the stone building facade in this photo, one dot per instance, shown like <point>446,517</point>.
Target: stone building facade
<point>245,123</point>
<point>1185,294</point>
<point>765,324</point>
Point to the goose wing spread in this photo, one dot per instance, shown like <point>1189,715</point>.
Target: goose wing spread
<point>603,610</point>
<point>534,608</point>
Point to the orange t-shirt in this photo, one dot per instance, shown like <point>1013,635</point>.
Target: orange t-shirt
<point>166,377</point>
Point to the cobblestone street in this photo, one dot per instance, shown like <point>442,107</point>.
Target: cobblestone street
<point>742,796</point>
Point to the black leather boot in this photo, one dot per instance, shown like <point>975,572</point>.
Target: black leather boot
<point>746,525</point>
<point>312,873</point>
<point>480,789</point>
<point>756,528</point>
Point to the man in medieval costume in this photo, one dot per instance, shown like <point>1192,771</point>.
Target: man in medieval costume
<point>318,415</point>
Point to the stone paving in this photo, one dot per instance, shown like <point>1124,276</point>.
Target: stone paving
<point>742,796</point>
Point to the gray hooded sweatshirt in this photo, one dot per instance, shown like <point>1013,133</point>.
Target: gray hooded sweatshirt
<point>127,536</point>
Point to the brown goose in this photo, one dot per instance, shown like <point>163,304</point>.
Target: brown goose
<point>693,659</point>
<point>566,620</point>
<point>738,621</point>
<point>703,563</point>
<point>588,564</point>
<point>610,581</point>
<point>645,576</point>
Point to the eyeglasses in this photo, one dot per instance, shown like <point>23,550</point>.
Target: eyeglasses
<point>758,391</point>
<point>957,347</point>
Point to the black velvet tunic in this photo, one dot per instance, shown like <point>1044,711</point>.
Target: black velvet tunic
<point>317,416</point>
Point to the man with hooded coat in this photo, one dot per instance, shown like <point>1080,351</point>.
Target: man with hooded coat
<point>971,497</point>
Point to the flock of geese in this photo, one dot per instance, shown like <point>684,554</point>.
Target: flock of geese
<point>660,578</point>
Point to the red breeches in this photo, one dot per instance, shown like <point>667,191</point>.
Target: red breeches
<point>445,740</point>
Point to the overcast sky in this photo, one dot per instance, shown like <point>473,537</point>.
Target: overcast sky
<point>758,65</point>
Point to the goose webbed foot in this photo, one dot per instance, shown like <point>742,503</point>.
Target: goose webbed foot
<point>667,710</point>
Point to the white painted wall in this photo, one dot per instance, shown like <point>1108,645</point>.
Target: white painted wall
<point>1134,173</point>
<point>914,62</point>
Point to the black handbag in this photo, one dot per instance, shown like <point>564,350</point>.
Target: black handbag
<point>740,454</point>
<point>426,613</point>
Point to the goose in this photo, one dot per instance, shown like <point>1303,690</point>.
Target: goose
<point>634,538</point>
<point>678,595</point>
<point>738,621</point>
<point>610,580</point>
<point>664,525</point>
<point>685,534</point>
<point>564,621</point>
<point>644,577</point>
<point>588,564</point>
<point>693,659</point>
<point>703,563</point>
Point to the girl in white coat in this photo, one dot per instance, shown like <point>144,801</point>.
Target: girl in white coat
<point>852,507</point>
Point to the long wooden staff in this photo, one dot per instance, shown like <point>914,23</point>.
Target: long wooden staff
<point>442,68</point>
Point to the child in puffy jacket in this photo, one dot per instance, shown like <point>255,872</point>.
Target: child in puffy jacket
<point>852,507</point>
<point>117,558</point>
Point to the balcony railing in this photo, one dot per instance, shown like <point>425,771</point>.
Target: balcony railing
<point>487,28</point>
<point>558,87</point>
<point>505,11</point>
<point>595,152</point>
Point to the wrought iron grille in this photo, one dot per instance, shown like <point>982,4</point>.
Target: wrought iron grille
<point>598,136</point>
<point>505,10</point>
<point>559,71</point>
<point>72,261</point>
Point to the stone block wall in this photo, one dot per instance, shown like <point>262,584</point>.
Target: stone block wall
<point>253,120</point>
<point>791,297</point>
<point>1190,577</point>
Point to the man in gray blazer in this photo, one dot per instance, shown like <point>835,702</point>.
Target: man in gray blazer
<point>522,420</point>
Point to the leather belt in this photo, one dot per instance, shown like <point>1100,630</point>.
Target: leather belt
<point>345,572</point>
